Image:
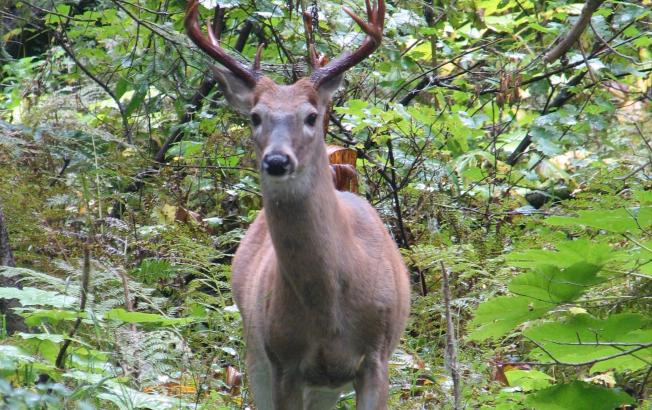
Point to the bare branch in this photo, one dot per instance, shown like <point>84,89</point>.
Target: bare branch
<point>574,34</point>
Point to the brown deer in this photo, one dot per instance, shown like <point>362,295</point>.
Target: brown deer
<point>321,286</point>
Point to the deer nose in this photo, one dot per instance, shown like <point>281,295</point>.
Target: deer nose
<point>277,164</point>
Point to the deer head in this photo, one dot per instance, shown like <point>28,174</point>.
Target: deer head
<point>286,119</point>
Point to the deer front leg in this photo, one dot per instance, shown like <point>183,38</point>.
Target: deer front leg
<point>372,384</point>
<point>287,391</point>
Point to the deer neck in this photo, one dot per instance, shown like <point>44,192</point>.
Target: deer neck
<point>304,220</point>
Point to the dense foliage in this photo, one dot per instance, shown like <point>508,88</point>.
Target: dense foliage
<point>127,182</point>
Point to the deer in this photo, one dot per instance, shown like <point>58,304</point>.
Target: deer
<point>323,292</point>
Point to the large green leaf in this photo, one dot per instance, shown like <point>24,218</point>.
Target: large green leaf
<point>578,396</point>
<point>37,297</point>
<point>567,254</point>
<point>583,338</point>
<point>619,220</point>
<point>497,316</point>
<point>551,284</point>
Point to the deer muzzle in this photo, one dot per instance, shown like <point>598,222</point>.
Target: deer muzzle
<point>277,164</point>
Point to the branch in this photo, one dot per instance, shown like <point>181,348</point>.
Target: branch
<point>588,362</point>
<point>85,281</point>
<point>575,32</point>
<point>397,204</point>
<point>197,99</point>
<point>599,343</point>
<point>562,97</point>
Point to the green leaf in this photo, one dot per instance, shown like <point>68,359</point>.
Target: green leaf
<point>551,284</point>
<point>57,16</point>
<point>631,362</point>
<point>37,297</point>
<point>140,317</point>
<point>54,338</point>
<point>10,355</point>
<point>185,149</point>
<point>643,197</point>
<point>528,380</point>
<point>11,358</point>
<point>39,316</point>
<point>619,220</point>
<point>578,396</point>
<point>497,316</point>
<point>567,254</point>
<point>583,338</point>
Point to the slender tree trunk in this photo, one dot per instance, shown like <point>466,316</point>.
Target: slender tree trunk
<point>451,340</point>
<point>13,322</point>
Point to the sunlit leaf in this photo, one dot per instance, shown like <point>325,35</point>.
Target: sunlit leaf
<point>577,396</point>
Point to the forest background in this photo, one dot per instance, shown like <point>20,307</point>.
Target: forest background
<point>507,144</point>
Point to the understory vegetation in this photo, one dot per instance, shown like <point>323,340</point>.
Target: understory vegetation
<point>507,145</point>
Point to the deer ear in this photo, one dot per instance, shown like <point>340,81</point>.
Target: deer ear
<point>237,92</point>
<point>327,88</point>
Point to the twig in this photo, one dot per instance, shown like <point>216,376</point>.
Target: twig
<point>606,44</point>
<point>635,171</point>
<point>66,162</point>
<point>575,32</point>
<point>394,188</point>
<point>85,281</point>
<point>451,343</point>
<point>588,362</point>
<point>129,306</point>
<point>599,343</point>
<point>640,132</point>
<point>441,64</point>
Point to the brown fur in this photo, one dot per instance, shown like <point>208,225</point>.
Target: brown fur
<point>321,286</point>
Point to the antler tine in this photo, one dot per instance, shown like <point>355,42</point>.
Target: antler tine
<point>367,5</point>
<point>374,30</point>
<point>211,46</point>
<point>256,65</point>
<point>211,34</point>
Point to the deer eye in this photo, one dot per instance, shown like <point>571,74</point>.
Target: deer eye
<point>311,119</point>
<point>255,119</point>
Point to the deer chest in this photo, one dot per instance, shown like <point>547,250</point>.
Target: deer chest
<point>329,365</point>
<point>322,358</point>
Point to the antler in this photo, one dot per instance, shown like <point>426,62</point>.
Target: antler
<point>211,46</point>
<point>314,59</point>
<point>374,31</point>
